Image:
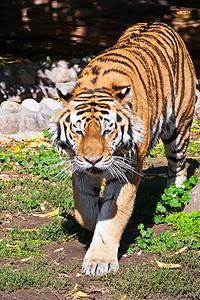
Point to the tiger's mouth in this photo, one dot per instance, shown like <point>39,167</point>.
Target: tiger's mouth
<point>95,170</point>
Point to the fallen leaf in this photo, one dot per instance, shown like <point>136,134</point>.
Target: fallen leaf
<point>42,205</point>
<point>33,144</point>
<point>59,249</point>
<point>74,289</point>
<point>139,253</point>
<point>11,246</point>
<point>48,215</point>
<point>79,295</point>
<point>26,259</point>
<point>69,238</point>
<point>167,266</point>
<point>179,251</point>
<point>79,275</point>
<point>126,255</point>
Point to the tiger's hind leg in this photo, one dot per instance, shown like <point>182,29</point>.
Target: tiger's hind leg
<point>176,140</point>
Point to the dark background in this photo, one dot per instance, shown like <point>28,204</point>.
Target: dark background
<point>76,28</point>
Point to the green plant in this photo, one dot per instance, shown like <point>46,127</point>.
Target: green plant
<point>158,151</point>
<point>186,224</point>
<point>43,161</point>
<point>174,199</point>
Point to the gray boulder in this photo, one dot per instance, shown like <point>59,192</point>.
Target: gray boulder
<point>194,203</point>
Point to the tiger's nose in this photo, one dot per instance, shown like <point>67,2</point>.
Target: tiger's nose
<point>93,161</point>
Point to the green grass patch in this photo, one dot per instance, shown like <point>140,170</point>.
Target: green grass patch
<point>37,273</point>
<point>27,242</point>
<point>44,162</point>
<point>27,194</point>
<point>144,281</point>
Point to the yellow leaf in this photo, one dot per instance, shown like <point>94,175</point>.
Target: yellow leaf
<point>69,238</point>
<point>74,289</point>
<point>33,144</point>
<point>15,148</point>
<point>167,266</point>
<point>179,251</point>
<point>11,246</point>
<point>48,215</point>
<point>79,295</point>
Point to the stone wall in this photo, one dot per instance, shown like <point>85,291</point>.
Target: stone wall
<point>81,27</point>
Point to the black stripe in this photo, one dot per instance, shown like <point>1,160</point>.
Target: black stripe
<point>116,71</point>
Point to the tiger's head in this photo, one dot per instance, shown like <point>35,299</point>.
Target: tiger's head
<point>99,130</point>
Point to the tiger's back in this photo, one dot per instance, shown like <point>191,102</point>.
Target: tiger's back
<point>140,90</point>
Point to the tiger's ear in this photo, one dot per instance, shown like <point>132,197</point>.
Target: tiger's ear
<point>64,98</point>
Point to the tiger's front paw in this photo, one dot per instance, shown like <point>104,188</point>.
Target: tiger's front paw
<point>98,264</point>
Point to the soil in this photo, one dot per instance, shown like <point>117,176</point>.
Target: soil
<point>72,252</point>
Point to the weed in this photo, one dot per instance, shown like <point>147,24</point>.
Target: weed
<point>38,273</point>
<point>143,281</point>
<point>26,242</point>
<point>186,224</point>
<point>27,194</point>
<point>174,199</point>
<point>158,151</point>
<point>44,162</point>
<point>168,241</point>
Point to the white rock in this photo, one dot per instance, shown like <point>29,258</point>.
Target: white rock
<point>31,104</point>
<point>11,106</point>
<point>8,124</point>
<point>52,104</point>
<point>36,122</point>
<point>65,87</point>
<point>60,71</point>
<point>16,98</point>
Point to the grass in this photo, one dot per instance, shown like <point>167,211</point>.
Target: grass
<point>29,193</point>
<point>150,282</point>
<point>37,273</point>
<point>25,242</point>
<point>34,169</point>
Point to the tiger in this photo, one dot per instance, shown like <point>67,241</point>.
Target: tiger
<point>128,97</point>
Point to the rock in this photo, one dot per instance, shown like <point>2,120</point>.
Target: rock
<point>16,98</point>
<point>88,58</point>
<point>60,71</point>
<point>52,104</point>
<point>65,88</point>
<point>8,124</point>
<point>11,106</point>
<point>22,77</point>
<point>36,122</point>
<point>44,76</point>
<point>31,104</point>
<point>194,203</point>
